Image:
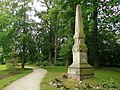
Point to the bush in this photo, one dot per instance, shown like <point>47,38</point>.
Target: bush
<point>38,63</point>
<point>59,63</point>
<point>44,63</point>
<point>12,66</point>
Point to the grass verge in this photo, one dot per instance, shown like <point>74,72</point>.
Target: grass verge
<point>101,75</point>
<point>6,81</point>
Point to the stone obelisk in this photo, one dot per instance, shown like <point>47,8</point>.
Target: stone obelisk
<point>79,69</point>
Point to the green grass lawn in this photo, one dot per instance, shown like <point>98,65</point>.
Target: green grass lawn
<point>6,81</point>
<point>106,73</point>
<point>55,72</point>
<point>2,67</point>
<point>101,75</point>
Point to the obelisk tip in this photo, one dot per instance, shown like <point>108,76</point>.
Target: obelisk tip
<point>78,21</point>
<point>79,6</point>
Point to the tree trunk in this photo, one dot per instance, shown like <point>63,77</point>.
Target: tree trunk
<point>95,36</point>
<point>66,63</point>
<point>23,43</point>
<point>50,55</point>
<point>50,47</point>
<point>55,51</point>
<point>23,54</point>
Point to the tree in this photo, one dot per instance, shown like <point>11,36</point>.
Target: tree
<point>14,31</point>
<point>51,39</point>
<point>95,34</point>
<point>7,20</point>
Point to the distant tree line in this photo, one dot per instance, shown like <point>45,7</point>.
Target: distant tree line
<point>50,41</point>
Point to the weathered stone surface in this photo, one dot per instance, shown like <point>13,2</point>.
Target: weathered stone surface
<point>58,84</point>
<point>78,78</point>
<point>79,69</point>
<point>85,71</point>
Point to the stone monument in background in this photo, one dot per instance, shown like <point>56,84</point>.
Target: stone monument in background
<point>79,69</point>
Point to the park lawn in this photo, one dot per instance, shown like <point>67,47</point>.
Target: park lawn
<point>2,67</point>
<point>55,72</point>
<point>101,75</point>
<point>6,81</point>
<point>105,73</point>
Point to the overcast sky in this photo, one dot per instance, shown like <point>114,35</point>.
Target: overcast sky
<point>38,6</point>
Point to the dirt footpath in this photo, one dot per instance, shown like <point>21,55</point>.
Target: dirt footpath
<point>30,82</point>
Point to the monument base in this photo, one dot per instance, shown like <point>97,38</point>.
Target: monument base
<point>84,71</point>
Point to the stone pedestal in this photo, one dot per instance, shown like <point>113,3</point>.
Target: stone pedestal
<point>80,69</point>
<point>85,71</point>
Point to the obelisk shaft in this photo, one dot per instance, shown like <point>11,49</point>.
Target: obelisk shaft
<point>79,48</point>
<point>78,20</point>
<point>79,69</point>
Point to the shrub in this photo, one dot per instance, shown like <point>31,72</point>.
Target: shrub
<point>60,63</point>
<point>12,66</point>
<point>38,63</point>
<point>44,63</point>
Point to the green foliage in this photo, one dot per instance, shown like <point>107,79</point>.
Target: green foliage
<point>61,15</point>
<point>52,37</point>
<point>11,68</point>
<point>42,63</point>
<point>60,63</point>
<point>66,50</point>
<point>12,64</point>
<point>37,63</point>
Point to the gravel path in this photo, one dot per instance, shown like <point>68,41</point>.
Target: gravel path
<point>29,82</point>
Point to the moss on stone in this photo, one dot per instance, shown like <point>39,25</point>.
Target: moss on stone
<point>82,35</point>
<point>83,48</point>
<point>85,65</point>
<point>86,71</point>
